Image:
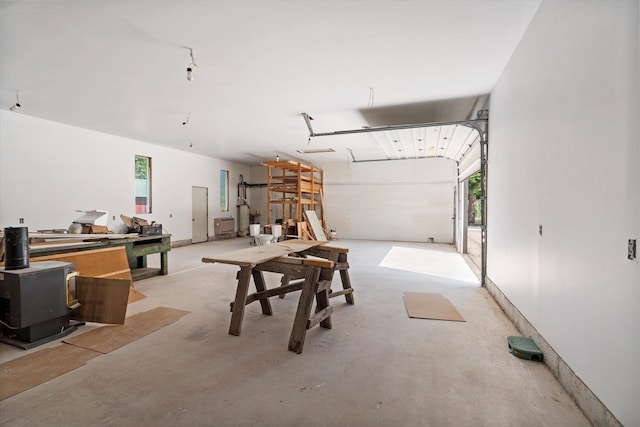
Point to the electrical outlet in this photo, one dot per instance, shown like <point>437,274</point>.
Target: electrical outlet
<point>21,220</point>
<point>540,230</point>
<point>114,217</point>
<point>631,253</point>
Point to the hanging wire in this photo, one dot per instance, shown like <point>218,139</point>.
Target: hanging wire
<point>371,96</point>
<point>15,106</point>
<point>193,61</point>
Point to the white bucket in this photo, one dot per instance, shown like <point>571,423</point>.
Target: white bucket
<point>276,230</point>
<point>263,239</point>
<point>254,230</point>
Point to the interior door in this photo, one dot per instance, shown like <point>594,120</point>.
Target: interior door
<point>200,214</point>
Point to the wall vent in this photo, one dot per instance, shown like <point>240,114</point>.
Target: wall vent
<point>224,226</point>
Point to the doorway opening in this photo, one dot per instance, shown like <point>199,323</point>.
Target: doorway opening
<point>474,221</point>
<point>199,214</point>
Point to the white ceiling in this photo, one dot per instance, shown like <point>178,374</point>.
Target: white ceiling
<point>119,67</point>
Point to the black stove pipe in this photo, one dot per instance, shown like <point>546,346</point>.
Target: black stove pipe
<point>16,248</point>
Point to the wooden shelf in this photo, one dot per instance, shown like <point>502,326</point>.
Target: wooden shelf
<point>292,187</point>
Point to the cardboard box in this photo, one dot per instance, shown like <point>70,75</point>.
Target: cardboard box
<point>95,229</point>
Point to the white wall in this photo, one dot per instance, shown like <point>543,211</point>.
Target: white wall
<point>563,153</point>
<point>258,195</point>
<point>48,170</point>
<point>407,200</point>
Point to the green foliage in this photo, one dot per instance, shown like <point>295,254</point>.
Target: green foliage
<point>474,185</point>
<point>142,167</point>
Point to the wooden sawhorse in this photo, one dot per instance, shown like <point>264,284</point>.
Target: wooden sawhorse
<point>339,257</point>
<point>316,284</point>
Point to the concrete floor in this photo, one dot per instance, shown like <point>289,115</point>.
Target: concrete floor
<point>474,245</point>
<point>376,367</point>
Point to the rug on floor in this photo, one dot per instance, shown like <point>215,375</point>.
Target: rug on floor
<point>36,368</point>
<point>109,338</point>
<point>46,364</point>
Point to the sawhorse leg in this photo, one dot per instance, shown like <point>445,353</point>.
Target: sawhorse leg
<point>237,312</point>
<point>258,279</point>
<point>299,330</point>
<point>347,290</point>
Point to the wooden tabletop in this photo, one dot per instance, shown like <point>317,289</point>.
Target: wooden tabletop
<point>255,255</point>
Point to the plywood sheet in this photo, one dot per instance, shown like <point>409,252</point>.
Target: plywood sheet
<point>109,263</point>
<point>43,365</point>
<point>314,223</point>
<point>259,254</point>
<point>101,300</point>
<point>109,338</point>
<point>430,306</point>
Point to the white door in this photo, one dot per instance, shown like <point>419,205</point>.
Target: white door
<point>200,214</point>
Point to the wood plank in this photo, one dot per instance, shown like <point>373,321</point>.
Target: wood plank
<point>319,317</point>
<point>62,236</point>
<point>258,280</point>
<point>280,291</point>
<point>299,330</point>
<point>66,244</point>
<point>303,231</point>
<point>314,224</point>
<point>323,263</point>
<point>241,297</point>
<point>305,261</point>
<point>342,292</point>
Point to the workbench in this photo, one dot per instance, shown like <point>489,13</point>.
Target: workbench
<point>137,247</point>
<point>289,258</point>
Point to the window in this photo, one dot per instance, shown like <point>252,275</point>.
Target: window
<point>224,191</point>
<point>143,184</point>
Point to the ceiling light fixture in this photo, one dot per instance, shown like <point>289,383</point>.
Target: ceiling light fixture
<point>316,151</point>
<point>189,67</point>
<point>17,105</point>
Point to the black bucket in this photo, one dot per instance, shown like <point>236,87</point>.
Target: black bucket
<point>16,248</point>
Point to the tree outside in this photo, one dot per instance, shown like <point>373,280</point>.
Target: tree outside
<point>475,192</point>
<point>141,167</point>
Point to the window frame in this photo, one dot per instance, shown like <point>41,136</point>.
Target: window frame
<point>224,190</point>
<point>148,187</point>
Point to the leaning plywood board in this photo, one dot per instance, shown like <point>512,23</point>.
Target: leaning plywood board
<point>108,263</point>
<point>315,226</point>
<point>101,300</point>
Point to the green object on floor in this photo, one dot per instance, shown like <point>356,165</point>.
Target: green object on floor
<point>524,348</point>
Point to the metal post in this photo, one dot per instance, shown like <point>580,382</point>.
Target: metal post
<point>483,201</point>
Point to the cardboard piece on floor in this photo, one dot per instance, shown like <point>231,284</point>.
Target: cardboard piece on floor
<point>109,338</point>
<point>41,366</point>
<point>430,306</point>
<point>135,295</point>
<point>101,300</point>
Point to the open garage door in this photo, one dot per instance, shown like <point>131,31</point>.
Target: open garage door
<point>463,141</point>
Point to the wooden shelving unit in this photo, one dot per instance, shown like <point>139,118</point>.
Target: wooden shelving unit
<point>294,187</point>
